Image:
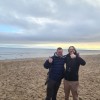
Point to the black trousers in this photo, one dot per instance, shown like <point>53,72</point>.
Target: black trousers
<point>52,89</point>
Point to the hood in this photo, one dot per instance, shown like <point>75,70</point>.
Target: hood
<point>55,54</point>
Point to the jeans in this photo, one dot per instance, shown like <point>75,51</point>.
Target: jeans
<point>52,89</point>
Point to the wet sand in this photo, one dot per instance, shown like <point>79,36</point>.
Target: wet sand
<point>24,79</point>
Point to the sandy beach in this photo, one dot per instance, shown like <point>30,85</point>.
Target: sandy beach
<point>24,79</point>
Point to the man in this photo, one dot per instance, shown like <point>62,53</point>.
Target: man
<point>73,61</point>
<point>55,64</point>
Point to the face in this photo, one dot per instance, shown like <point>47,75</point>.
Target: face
<point>59,52</point>
<point>71,50</point>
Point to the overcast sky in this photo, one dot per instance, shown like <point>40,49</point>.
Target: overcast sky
<point>34,21</point>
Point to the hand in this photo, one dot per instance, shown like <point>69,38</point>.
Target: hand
<point>72,55</point>
<point>50,60</point>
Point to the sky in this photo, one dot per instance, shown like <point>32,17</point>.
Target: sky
<point>50,23</point>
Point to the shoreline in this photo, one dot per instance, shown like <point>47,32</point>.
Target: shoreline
<point>22,59</point>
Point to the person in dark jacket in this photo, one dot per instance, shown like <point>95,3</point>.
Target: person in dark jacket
<point>55,64</point>
<point>73,61</point>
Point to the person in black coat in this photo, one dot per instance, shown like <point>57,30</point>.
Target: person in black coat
<point>55,64</point>
<point>73,62</point>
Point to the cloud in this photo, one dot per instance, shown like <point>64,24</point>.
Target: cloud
<point>50,20</point>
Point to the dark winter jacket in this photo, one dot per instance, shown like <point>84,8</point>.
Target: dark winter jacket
<point>56,68</point>
<point>72,67</point>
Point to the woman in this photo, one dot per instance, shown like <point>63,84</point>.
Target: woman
<point>73,61</point>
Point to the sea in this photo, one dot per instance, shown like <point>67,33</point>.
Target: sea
<point>7,53</point>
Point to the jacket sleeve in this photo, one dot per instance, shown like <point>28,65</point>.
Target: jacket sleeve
<point>81,61</point>
<point>47,64</point>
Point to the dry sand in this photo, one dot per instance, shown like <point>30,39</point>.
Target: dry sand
<point>24,79</point>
